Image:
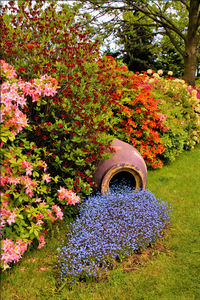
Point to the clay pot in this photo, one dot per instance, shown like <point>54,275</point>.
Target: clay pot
<point>127,160</point>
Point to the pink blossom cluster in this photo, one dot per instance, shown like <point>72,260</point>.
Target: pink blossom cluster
<point>27,166</point>
<point>8,70</point>
<point>12,117</point>
<point>69,196</point>
<point>13,97</point>
<point>47,177</point>
<point>58,211</point>
<point>7,215</point>
<point>44,86</point>
<point>12,251</point>
<point>41,241</point>
<point>9,178</point>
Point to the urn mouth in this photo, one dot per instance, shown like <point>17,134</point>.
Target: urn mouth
<point>135,177</point>
<point>126,159</point>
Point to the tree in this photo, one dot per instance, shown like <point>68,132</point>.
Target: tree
<point>138,46</point>
<point>169,58</point>
<point>179,20</point>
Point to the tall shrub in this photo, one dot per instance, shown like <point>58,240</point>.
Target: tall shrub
<point>70,127</point>
<point>27,206</point>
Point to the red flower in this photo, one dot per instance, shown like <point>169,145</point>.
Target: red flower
<point>21,144</point>
<point>60,125</point>
<point>21,69</point>
<point>29,46</point>
<point>54,156</point>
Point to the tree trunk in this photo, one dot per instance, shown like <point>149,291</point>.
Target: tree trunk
<point>190,55</point>
<point>190,63</point>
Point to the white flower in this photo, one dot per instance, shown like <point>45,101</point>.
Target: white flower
<point>170,73</point>
<point>160,72</point>
<point>149,71</point>
<point>156,75</point>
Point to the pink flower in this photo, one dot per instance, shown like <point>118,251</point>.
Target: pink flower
<point>58,211</point>
<point>69,196</point>
<point>28,166</point>
<point>8,69</point>
<point>11,218</point>
<point>47,178</point>
<point>38,200</point>
<point>15,180</point>
<point>41,241</point>
<point>12,252</point>
<point>7,244</point>
<point>39,223</point>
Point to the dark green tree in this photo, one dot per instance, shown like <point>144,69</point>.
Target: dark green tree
<point>178,20</point>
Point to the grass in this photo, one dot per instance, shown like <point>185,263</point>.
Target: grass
<point>170,270</point>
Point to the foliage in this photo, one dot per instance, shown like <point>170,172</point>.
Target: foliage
<point>27,208</point>
<point>110,227</point>
<point>179,105</point>
<point>71,127</point>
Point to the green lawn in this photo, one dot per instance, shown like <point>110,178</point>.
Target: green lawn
<point>168,272</point>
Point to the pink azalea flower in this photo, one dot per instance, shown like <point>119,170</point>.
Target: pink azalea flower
<point>58,211</point>
<point>69,196</point>
<point>41,241</point>
<point>39,223</point>
<point>38,200</point>
<point>11,218</point>
<point>47,178</point>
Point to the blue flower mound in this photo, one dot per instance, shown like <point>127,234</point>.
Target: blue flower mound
<point>110,226</point>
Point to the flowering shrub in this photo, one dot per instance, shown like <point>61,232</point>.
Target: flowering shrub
<point>159,116</point>
<point>27,206</point>
<point>110,227</point>
<point>71,126</point>
<point>180,106</point>
<point>137,119</point>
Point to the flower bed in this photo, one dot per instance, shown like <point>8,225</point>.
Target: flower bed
<point>110,228</point>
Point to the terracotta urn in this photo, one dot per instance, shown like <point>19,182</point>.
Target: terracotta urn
<point>127,160</point>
